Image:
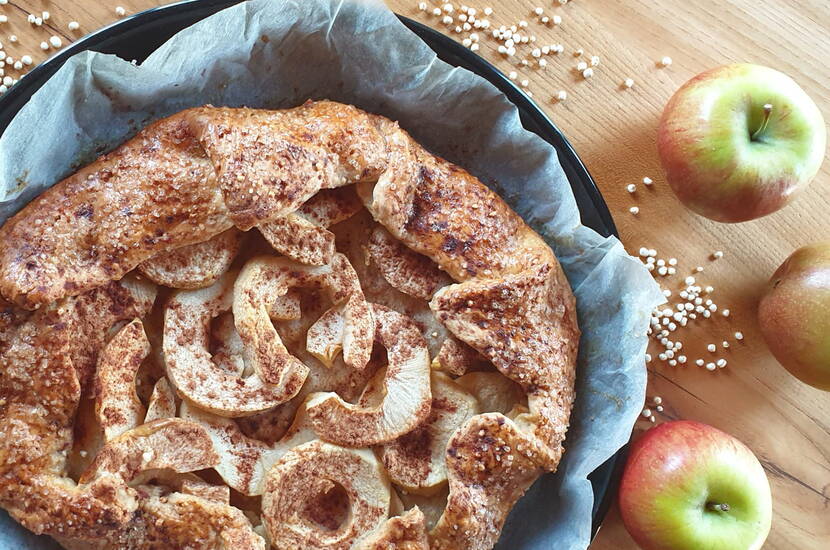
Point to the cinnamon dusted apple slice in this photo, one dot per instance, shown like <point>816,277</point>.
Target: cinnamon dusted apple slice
<point>490,464</point>
<point>202,489</point>
<point>403,268</point>
<point>198,378</point>
<point>415,461</point>
<point>197,265</point>
<point>303,235</point>
<point>162,402</point>
<point>407,400</point>
<point>494,391</point>
<point>324,339</point>
<point>229,352</point>
<point>117,405</point>
<point>264,279</point>
<point>431,506</point>
<point>305,489</point>
<point>171,443</point>
<point>244,462</point>
<point>404,532</point>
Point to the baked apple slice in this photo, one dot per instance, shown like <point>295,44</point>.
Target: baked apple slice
<point>265,278</point>
<point>171,443</point>
<point>303,235</point>
<point>117,405</point>
<point>407,397</point>
<point>196,265</point>
<point>296,505</point>
<point>403,268</point>
<point>416,460</point>
<point>162,402</point>
<point>189,362</point>
<point>244,462</point>
<point>494,391</point>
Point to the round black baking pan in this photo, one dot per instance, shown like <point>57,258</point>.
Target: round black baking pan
<point>136,37</point>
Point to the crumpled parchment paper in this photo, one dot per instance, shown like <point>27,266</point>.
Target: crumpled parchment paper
<point>275,54</point>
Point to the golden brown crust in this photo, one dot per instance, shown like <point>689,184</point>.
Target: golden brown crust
<point>489,466</point>
<point>404,532</point>
<point>209,169</point>
<point>270,162</point>
<point>38,399</point>
<point>154,193</point>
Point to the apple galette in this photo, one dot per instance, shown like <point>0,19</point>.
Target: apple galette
<point>294,329</point>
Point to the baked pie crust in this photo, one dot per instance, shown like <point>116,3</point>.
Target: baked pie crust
<point>293,328</point>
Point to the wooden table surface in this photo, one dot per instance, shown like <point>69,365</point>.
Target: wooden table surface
<point>785,422</point>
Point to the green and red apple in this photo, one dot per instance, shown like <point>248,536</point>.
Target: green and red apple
<point>794,314</point>
<point>689,486</point>
<point>740,141</point>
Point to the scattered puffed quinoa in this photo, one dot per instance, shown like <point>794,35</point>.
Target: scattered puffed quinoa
<point>120,12</point>
<point>561,95</point>
<point>44,46</point>
<point>629,82</point>
<point>712,348</point>
<point>581,66</point>
<point>3,18</point>
<point>45,15</point>
<point>631,188</point>
<point>55,41</point>
<point>721,363</point>
<point>26,59</point>
<point>717,255</point>
<point>588,73</point>
<point>666,61</point>
<point>710,366</point>
<point>594,60</point>
<point>636,210</point>
<point>647,180</point>
<point>739,336</point>
<point>699,362</point>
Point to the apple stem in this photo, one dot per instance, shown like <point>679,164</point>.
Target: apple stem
<point>760,131</point>
<point>718,507</point>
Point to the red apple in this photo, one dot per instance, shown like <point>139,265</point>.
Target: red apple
<point>689,486</point>
<point>739,141</point>
<point>794,314</point>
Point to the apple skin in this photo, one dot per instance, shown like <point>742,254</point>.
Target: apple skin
<point>674,470</point>
<point>710,160</point>
<point>794,314</point>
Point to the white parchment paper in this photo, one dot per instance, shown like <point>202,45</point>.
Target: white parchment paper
<point>275,54</point>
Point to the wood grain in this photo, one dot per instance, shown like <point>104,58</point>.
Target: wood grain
<point>785,422</point>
